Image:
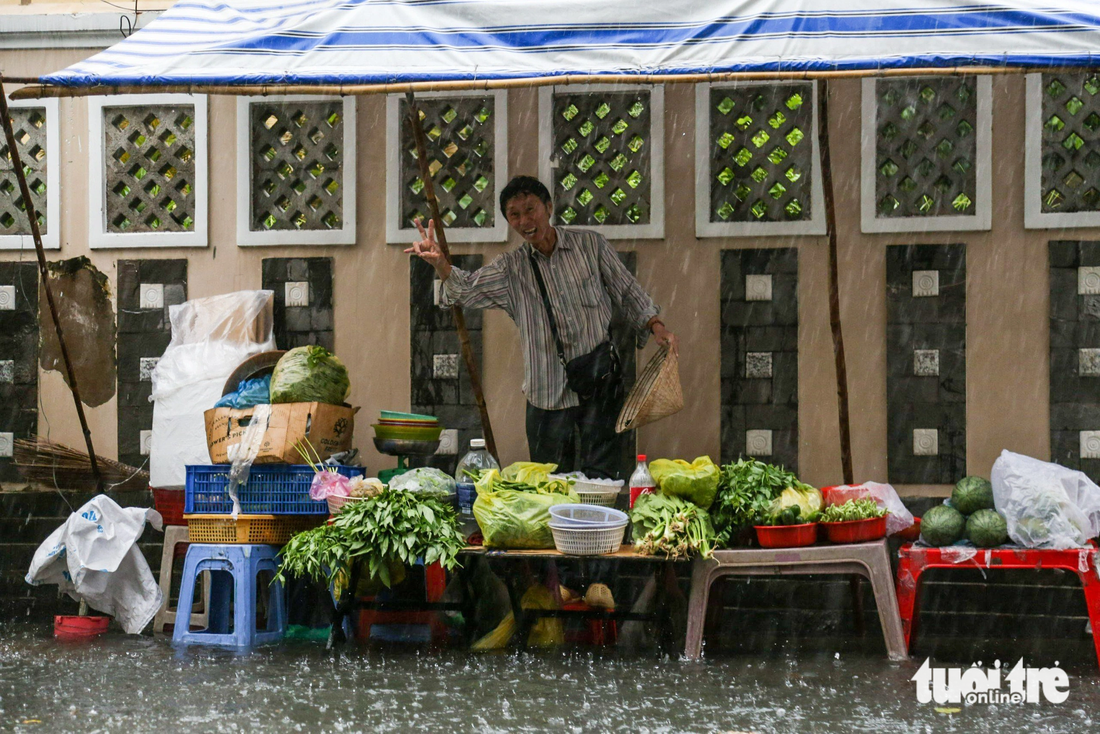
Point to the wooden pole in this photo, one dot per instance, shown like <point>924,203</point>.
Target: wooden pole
<point>36,235</point>
<point>834,285</point>
<point>441,236</point>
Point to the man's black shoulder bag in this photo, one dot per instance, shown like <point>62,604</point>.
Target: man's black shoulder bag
<point>594,375</point>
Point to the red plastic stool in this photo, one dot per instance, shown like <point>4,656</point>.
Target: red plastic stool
<point>914,560</point>
<point>435,581</point>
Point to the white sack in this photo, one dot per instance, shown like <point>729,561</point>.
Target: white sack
<point>1045,505</point>
<point>94,557</point>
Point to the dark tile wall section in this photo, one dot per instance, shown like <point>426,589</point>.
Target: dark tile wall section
<point>1074,351</point>
<point>299,326</point>
<point>625,340</point>
<point>143,333</point>
<point>442,390</point>
<point>19,346</point>
<point>926,391</point>
<point>760,353</point>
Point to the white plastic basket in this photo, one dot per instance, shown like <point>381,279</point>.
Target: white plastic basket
<point>336,503</point>
<point>577,515</point>
<point>576,541</point>
<point>597,494</point>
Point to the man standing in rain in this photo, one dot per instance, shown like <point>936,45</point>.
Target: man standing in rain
<point>560,287</point>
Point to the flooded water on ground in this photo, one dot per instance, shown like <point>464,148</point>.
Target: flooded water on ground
<point>142,684</point>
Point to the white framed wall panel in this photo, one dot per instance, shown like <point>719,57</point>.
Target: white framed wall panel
<point>704,178</point>
<point>396,128</point>
<point>51,239</point>
<point>549,156</point>
<point>980,220</point>
<point>247,235</point>
<point>99,234</point>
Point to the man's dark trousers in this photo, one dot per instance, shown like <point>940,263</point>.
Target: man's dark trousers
<point>551,433</point>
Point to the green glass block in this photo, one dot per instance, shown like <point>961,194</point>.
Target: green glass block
<point>270,221</point>
<point>168,138</point>
<point>153,155</point>
<point>7,187</point>
<point>480,217</point>
<point>725,176</point>
<point>758,102</point>
<point>1056,88</point>
<point>331,187</point>
<point>600,214</point>
<point>888,204</point>
<point>153,189</point>
<point>299,186</point>
<point>759,209</point>
<point>7,220</point>
<point>777,190</point>
<point>965,92</point>
<point>928,95</point>
<point>585,197</point>
<point>465,201</point>
<point>617,162</point>
<point>569,145</point>
<point>284,170</point>
<point>618,196</point>
<point>1091,198</point>
<point>725,211</point>
<point>793,174</point>
<point>317,169</point>
<point>332,221</point>
<point>482,148</point>
<point>926,130</point>
<point>184,188</point>
<point>282,203</point>
<point>742,157</point>
<point>269,153</point>
<point>465,132</point>
<point>909,113</point>
<point>331,152</point>
<point>601,179</point>
<point>759,175</point>
<point>299,219</point>
<point>138,172</point>
<point>483,115</point>
<point>316,136</point>
<point>942,184</point>
<point>891,97</point>
<point>963,129</point>
<point>620,126</point>
<point>636,109</point>
<point>777,119</point>
<point>315,203</point>
<point>570,112</point>
<point>961,165</point>
<point>269,187</point>
<point>925,167</point>
<point>777,156</point>
<point>1073,141</point>
<point>586,128</point>
<point>481,184</point>
<point>944,148</point>
<point>725,140</point>
<point>602,144</point>
<point>138,139</point>
<point>794,101</point>
<point>1054,199</point>
<point>120,188</point>
<point>946,111</point>
<point>568,215</point>
<point>795,136</point>
<point>907,185</point>
<point>636,143</point>
<point>925,204</point>
<point>602,110</point>
<point>889,131</point>
<point>1074,105</point>
<point>1092,122</point>
<point>448,183</point>
<point>742,192</point>
<point>725,106</point>
<point>1053,161</point>
<point>153,222</point>
<point>435,133</point>
<point>634,180</point>
<point>1073,180</point>
<point>585,163</point>
<point>760,138</point>
<point>449,218</point>
<point>449,115</point>
<point>888,168</point>
<point>634,213</point>
<point>1092,159</point>
<point>743,122</point>
<point>122,222</point>
<point>793,209</point>
<point>333,119</point>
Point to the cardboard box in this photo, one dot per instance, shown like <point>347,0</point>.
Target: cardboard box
<point>329,428</point>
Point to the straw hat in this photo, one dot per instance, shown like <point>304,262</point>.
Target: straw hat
<point>656,395</point>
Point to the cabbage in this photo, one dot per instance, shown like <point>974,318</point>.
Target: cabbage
<point>805,498</point>
<point>310,375</point>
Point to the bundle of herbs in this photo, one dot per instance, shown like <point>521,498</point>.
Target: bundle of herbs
<point>671,527</point>
<point>746,492</point>
<point>393,527</point>
<point>865,509</point>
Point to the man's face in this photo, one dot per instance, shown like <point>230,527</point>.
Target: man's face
<point>528,217</point>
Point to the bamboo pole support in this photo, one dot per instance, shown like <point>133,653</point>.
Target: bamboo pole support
<point>43,272</point>
<point>834,286</point>
<point>456,311</point>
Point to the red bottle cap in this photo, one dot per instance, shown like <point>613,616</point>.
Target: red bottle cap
<point>641,457</point>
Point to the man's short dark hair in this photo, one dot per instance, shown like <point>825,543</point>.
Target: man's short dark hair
<point>521,186</point>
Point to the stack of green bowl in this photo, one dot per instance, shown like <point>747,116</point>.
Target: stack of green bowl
<point>393,425</point>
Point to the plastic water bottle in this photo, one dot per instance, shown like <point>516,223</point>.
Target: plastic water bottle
<point>641,481</point>
<point>476,459</point>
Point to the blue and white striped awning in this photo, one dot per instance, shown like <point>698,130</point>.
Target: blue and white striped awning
<point>293,42</point>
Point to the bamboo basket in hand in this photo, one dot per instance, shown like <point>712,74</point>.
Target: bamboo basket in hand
<point>656,395</point>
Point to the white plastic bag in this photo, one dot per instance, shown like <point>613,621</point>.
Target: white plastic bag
<point>210,338</point>
<point>425,479</point>
<point>94,557</point>
<point>884,495</point>
<point>1045,505</point>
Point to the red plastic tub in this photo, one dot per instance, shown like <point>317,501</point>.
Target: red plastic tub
<point>786,536</point>
<point>911,534</point>
<point>79,628</point>
<point>169,503</point>
<point>855,531</point>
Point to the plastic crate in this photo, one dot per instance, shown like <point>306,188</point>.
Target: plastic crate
<point>266,529</point>
<point>169,503</point>
<point>272,489</point>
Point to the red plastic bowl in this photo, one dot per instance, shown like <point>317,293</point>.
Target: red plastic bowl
<point>79,628</point>
<point>911,533</point>
<point>786,536</point>
<point>855,531</point>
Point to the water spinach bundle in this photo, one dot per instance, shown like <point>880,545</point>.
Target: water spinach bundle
<point>671,527</point>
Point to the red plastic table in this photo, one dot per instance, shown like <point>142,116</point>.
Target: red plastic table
<point>914,560</point>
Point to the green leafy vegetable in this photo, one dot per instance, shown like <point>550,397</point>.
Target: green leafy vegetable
<point>518,518</point>
<point>671,527</point>
<point>864,509</point>
<point>309,374</point>
<point>746,490</point>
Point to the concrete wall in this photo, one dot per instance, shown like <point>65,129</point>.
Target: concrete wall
<point>1007,290</point>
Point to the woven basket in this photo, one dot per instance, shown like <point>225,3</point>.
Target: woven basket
<point>656,395</point>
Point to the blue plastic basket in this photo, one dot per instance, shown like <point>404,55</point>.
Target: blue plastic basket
<point>272,489</point>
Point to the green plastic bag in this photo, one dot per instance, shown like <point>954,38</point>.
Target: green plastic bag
<point>516,519</point>
<point>528,472</point>
<point>696,482</point>
<point>310,375</point>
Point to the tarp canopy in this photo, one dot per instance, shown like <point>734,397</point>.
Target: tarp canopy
<point>368,42</point>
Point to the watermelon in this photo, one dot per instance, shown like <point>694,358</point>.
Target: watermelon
<point>986,529</point>
<point>972,494</point>
<point>942,525</point>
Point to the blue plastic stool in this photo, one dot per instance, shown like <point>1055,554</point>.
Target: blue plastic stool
<point>244,562</point>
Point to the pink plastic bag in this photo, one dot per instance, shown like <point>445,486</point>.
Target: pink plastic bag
<point>886,496</point>
<point>328,484</point>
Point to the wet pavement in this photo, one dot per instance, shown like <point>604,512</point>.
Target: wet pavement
<point>141,684</point>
